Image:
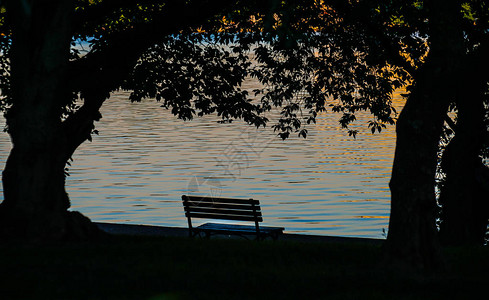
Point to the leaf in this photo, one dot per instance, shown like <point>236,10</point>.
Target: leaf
<point>303,133</point>
<point>284,135</point>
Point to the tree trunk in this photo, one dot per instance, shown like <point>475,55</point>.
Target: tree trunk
<point>464,194</point>
<point>412,238</point>
<point>35,201</point>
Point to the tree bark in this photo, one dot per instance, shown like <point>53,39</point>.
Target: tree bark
<point>412,238</point>
<point>464,194</point>
<point>35,201</point>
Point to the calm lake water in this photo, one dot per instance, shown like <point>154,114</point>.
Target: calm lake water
<point>144,159</point>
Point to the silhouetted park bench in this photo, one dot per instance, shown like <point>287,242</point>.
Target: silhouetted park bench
<point>227,209</point>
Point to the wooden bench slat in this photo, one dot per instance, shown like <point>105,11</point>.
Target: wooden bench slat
<point>219,205</point>
<point>220,211</point>
<point>240,228</point>
<point>227,227</point>
<point>219,200</point>
<point>223,217</point>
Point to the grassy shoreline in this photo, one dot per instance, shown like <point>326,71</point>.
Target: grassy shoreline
<point>149,267</point>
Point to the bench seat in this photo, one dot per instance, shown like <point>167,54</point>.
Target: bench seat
<point>218,228</point>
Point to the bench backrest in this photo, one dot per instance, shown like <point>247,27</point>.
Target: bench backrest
<point>222,208</point>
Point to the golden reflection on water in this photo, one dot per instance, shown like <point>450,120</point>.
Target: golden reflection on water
<point>144,159</point>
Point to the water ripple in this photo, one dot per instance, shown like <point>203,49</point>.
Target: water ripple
<point>144,159</point>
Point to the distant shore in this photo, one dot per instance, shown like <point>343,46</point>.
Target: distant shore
<point>151,230</point>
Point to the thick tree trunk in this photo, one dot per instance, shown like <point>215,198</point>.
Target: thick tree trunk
<point>35,201</point>
<point>412,238</point>
<point>465,193</point>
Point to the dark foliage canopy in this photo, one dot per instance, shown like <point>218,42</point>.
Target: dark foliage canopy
<point>309,57</point>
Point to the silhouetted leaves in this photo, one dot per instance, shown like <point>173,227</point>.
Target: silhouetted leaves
<point>307,55</point>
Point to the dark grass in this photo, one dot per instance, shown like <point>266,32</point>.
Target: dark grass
<point>154,268</point>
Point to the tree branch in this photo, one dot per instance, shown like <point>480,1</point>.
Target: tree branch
<point>79,126</point>
<point>100,72</point>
